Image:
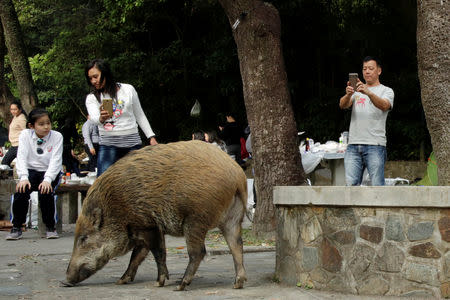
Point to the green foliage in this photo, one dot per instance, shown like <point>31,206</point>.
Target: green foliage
<point>431,174</point>
<point>176,51</point>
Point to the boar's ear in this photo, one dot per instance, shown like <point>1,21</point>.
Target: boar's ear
<point>97,217</point>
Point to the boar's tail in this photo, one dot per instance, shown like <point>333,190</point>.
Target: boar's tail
<point>241,192</point>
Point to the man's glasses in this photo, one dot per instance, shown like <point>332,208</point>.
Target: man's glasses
<point>40,142</point>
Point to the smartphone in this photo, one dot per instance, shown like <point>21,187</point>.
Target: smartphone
<point>107,104</point>
<point>353,78</point>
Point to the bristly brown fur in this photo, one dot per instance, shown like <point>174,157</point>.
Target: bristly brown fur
<point>183,188</point>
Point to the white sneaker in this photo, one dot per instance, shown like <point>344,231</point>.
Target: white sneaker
<point>52,235</point>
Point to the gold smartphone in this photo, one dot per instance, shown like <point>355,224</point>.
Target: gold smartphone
<point>353,78</point>
<point>107,104</point>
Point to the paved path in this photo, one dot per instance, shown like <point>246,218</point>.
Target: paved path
<point>32,268</point>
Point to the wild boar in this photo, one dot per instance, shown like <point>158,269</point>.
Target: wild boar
<point>180,189</point>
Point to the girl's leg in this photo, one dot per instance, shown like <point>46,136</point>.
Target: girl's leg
<point>19,208</point>
<point>47,202</point>
<point>21,200</point>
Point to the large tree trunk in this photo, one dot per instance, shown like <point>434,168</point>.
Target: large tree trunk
<point>16,50</point>
<point>433,55</point>
<point>6,96</point>
<point>277,158</point>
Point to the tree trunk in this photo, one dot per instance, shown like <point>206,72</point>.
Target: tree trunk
<point>16,50</point>
<point>6,96</point>
<point>433,55</point>
<point>277,158</point>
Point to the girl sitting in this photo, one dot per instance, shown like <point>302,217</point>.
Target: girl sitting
<point>39,164</point>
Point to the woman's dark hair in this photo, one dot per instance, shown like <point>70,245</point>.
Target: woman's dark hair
<point>106,76</point>
<point>36,114</point>
<point>17,103</point>
<point>212,137</point>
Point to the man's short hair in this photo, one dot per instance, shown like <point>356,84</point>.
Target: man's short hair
<point>376,59</point>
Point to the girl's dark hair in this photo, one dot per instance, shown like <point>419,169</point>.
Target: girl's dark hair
<point>198,135</point>
<point>106,75</point>
<point>17,103</point>
<point>36,114</point>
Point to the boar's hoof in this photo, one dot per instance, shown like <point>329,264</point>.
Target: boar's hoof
<point>66,284</point>
<point>181,287</point>
<point>124,280</point>
<point>158,284</point>
<point>161,281</point>
<point>239,283</point>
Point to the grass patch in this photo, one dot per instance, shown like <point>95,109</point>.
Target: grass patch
<point>249,239</point>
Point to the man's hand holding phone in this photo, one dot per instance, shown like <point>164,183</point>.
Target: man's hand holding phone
<point>352,83</point>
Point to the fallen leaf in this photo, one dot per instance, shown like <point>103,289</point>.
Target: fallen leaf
<point>211,293</point>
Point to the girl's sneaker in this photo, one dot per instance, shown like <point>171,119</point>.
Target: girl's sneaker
<point>15,234</point>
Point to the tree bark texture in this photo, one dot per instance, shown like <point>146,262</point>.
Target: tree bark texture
<point>6,96</point>
<point>270,115</point>
<point>433,55</point>
<point>16,50</point>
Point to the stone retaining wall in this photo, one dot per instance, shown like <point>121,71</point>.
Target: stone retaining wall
<point>365,240</point>
<point>7,188</point>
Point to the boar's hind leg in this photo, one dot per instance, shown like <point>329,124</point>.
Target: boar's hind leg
<point>195,242</point>
<point>232,234</point>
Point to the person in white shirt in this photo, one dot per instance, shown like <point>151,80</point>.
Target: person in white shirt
<point>118,133</point>
<point>39,164</point>
<point>371,103</point>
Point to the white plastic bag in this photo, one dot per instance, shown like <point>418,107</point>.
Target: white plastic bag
<point>310,161</point>
<point>195,110</point>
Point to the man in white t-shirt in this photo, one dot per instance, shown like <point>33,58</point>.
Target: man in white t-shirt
<point>367,136</point>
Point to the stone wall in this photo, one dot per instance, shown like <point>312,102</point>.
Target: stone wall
<point>7,188</point>
<point>378,249</point>
<point>405,169</point>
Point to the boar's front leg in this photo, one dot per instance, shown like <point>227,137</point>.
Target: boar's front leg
<point>158,249</point>
<point>137,256</point>
<point>145,241</point>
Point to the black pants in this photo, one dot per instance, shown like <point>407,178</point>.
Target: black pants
<point>92,158</point>
<point>9,156</point>
<point>47,202</point>
<point>235,149</point>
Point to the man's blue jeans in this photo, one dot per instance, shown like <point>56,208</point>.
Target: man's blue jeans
<point>110,154</point>
<point>359,157</point>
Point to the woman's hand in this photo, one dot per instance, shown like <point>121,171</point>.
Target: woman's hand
<point>45,187</point>
<point>22,186</point>
<point>153,141</point>
<point>104,115</point>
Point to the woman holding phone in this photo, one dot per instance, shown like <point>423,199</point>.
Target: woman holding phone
<point>115,107</point>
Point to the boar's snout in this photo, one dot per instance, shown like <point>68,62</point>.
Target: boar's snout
<point>75,275</point>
